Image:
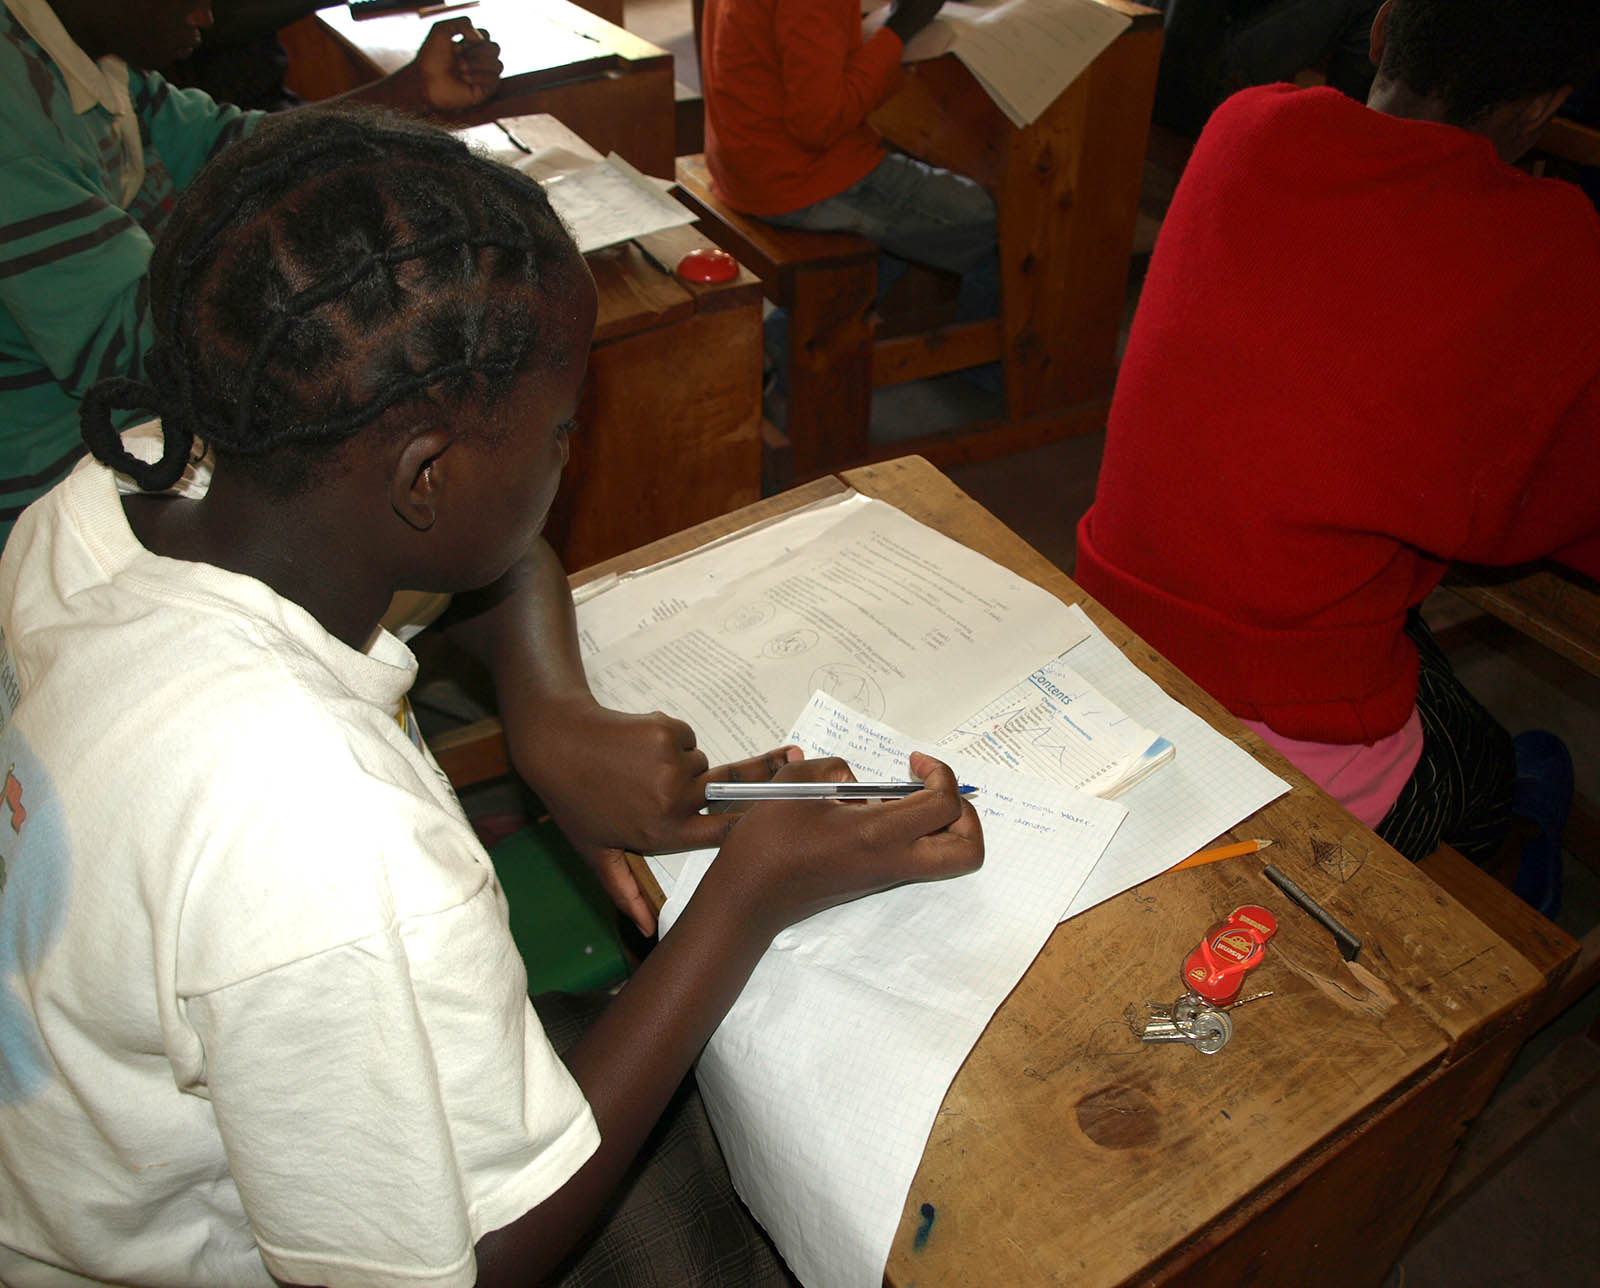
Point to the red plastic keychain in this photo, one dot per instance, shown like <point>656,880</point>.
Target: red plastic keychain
<point>1215,971</point>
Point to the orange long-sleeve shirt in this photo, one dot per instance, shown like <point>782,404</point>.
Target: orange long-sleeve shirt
<point>788,85</point>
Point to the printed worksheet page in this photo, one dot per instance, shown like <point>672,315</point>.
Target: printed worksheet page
<point>893,619</point>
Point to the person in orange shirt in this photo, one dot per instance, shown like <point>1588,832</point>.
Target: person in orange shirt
<point>788,86</point>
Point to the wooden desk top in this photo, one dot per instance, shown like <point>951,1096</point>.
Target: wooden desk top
<point>1067,1151</point>
<point>542,42</point>
<point>637,287</point>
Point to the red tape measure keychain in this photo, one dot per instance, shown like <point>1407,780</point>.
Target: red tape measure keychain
<point>1215,971</point>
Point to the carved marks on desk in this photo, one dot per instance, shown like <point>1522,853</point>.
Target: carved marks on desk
<point>1339,860</point>
<point>1119,1117</point>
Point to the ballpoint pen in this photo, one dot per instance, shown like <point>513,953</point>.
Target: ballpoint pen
<point>816,791</point>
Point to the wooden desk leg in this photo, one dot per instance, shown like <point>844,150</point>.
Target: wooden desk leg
<point>830,368</point>
<point>1069,198</point>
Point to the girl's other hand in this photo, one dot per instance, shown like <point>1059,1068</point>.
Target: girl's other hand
<point>790,859</point>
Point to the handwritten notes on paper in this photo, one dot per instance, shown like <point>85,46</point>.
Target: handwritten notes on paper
<point>824,1079</point>
<point>1023,52</point>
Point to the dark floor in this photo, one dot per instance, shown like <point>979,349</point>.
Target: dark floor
<point>1530,1220</point>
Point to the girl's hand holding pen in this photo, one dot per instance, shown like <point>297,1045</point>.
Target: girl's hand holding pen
<point>614,781</point>
<point>796,858</point>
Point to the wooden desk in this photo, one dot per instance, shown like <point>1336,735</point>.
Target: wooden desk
<point>1067,188</point>
<point>1551,604</point>
<point>1068,1152</point>
<point>612,88</point>
<point>670,425</point>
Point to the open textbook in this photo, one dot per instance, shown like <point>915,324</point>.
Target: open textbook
<point>1023,52</point>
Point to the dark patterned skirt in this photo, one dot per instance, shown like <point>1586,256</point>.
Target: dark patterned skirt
<point>675,1222</point>
<point>1460,792</point>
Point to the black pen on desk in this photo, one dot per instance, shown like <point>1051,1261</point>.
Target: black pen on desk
<point>1349,945</point>
<point>817,791</point>
<point>429,11</point>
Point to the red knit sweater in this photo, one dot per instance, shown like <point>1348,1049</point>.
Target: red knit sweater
<point>788,85</point>
<point>1366,347</point>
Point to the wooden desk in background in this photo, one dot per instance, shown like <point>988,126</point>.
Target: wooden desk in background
<point>613,89</point>
<point>1067,188</point>
<point>1069,1152</point>
<point>669,432</point>
<point>1559,608</point>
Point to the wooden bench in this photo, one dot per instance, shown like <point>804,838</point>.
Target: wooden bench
<point>836,353</point>
<point>1571,141</point>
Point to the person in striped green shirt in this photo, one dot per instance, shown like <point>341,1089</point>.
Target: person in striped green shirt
<point>96,148</point>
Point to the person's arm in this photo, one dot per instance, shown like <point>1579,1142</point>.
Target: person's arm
<point>72,274</point>
<point>781,863</point>
<point>831,79</point>
<point>611,781</point>
<point>187,126</point>
<point>457,67</point>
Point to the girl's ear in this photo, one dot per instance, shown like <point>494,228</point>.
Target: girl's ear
<point>419,477</point>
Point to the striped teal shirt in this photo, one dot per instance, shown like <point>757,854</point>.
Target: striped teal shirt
<point>72,258</point>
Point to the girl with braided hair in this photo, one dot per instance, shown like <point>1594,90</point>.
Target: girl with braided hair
<point>263,1019</point>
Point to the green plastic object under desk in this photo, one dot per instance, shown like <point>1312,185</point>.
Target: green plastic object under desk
<point>562,920</point>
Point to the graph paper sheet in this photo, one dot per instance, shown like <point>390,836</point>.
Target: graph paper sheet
<point>824,1079</point>
<point>1210,785</point>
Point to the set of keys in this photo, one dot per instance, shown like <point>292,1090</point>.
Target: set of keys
<point>1214,975</point>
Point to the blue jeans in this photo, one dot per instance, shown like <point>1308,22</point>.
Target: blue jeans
<point>918,214</point>
<point>915,211</point>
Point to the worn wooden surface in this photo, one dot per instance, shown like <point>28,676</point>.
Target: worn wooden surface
<point>1067,1152</point>
<point>1558,608</point>
<point>608,85</point>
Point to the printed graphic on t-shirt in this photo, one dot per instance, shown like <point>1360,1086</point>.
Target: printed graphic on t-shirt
<point>34,881</point>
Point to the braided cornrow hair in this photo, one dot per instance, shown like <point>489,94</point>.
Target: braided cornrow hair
<point>333,266</point>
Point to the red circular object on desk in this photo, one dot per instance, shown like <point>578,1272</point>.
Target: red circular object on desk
<point>708,265</point>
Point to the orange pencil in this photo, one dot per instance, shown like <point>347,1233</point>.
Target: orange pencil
<point>1220,852</point>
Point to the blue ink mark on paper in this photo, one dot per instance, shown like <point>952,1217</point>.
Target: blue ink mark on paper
<point>923,1230</point>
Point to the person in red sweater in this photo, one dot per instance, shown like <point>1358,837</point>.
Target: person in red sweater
<point>788,86</point>
<point>1365,349</point>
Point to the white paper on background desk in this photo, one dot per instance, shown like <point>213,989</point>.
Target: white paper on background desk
<point>894,619</point>
<point>1023,52</point>
<point>1211,785</point>
<point>824,1079</point>
<point>602,202</point>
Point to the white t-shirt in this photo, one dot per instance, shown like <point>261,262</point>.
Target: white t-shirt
<point>259,1005</point>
